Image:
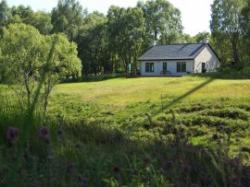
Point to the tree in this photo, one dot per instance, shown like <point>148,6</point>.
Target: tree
<point>93,43</point>
<point>4,14</point>
<point>22,54</point>
<point>65,64</point>
<point>246,32</point>
<point>163,21</point>
<point>21,14</point>
<point>34,61</point>
<point>202,37</point>
<point>67,17</point>
<point>40,20</point>
<point>126,28</point>
<point>186,38</point>
<point>226,25</point>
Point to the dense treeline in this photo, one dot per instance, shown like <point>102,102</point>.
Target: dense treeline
<point>106,43</point>
<point>230,28</point>
<point>111,43</point>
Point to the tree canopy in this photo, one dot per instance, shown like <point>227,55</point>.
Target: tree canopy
<point>24,58</point>
<point>163,21</point>
<point>67,17</point>
<point>126,32</point>
<point>227,29</point>
<point>112,43</point>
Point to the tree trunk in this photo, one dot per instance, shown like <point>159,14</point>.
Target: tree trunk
<point>26,83</point>
<point>235,51</point>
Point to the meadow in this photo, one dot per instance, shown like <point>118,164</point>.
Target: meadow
<point>182,131</point>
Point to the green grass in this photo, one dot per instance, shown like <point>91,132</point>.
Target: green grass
<point>125,97</point>
<point>122,123</point>
<point>122,92</point>
<point>125,103</point>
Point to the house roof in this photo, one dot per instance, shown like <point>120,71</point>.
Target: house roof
<point>173,52</point>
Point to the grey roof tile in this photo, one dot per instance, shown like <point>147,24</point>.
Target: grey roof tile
<point>174,51</point>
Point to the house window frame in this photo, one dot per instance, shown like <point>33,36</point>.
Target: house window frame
<point>164,67</point>
<point>181,67</point>
<point>149,67</point>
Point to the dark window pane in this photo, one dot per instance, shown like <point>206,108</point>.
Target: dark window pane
<point>181,67</point>
<point>149,67</point>
<point>165,66</point>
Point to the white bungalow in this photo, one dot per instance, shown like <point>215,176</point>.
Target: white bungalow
<point>178,59</point>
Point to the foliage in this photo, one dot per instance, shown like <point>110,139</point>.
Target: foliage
<point>126,31</point>
<point>246,33</point>
<point>67,17</point>
<point>93,43</point>
<point>24,55</point>
<point>163,21</point>
<point>227,30</point>
<point>202,37</point>
<point>4,14</point>
<point>160,23</point>
<point>40,20</point>
<point>21,14</point>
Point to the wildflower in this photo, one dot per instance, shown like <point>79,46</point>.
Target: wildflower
<point>70,168</point>
<point>34,185</point>
<point>12,135</point>
<point>82,181</point>
<point>44,134</point>
<point>236,162</point>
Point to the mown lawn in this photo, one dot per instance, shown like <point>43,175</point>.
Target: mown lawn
<point>139,131</point>
<point>125,97</point>
<point>126,104</point>
<point>122,92</point>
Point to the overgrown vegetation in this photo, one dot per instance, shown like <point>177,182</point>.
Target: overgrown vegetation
<point>230,32</point>
<point>96,135</point>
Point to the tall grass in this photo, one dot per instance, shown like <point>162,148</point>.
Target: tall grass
<point>148,144</point>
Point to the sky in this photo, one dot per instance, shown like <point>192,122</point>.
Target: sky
<point>195,13</point>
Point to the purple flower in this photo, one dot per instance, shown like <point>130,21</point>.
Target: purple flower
<point>83,182</point>
<point>12,135</point>
<point>44,134</point>
<point>70,168</point>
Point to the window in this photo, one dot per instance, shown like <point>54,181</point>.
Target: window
<point>149,67</point>
<point>165,67</point>
<point>181,67</point>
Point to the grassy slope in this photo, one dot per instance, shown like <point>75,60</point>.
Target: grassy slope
<point>126,96</point>
<point>125,102</point>
<point>121,92</point>
<point>120,122</point>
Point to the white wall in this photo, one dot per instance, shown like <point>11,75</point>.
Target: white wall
<point>207,56</point>
<point>171,66</point>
